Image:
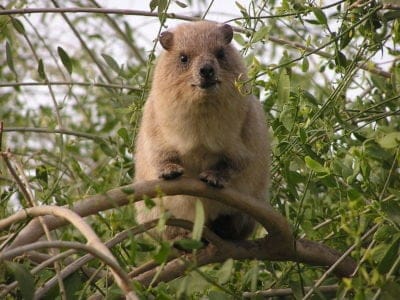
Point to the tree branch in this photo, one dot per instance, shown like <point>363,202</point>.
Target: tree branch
<point>76,220</point>
<point>279,245</point>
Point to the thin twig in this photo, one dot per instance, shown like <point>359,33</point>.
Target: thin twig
<point>71,83</point>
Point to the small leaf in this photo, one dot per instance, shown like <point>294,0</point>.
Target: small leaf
<point>389,141</point>
<point>162,7</point>
<point>18,25</point>
<point>111,62</point>
<point>163,252</point>
<point>181,4</point>
<point>41,71</point>
<point>149,203</point>
<point>145,247</point>
<point>391,15</point>
<point>346,37</point>
<point>340,59</point>
<point>42,173</point>
<point>288,115</point>
<point>198,221</point>
<point>65,59</point>
<point>107,150</point>
<point>319,14</point>
<point>10,61</point>
<point>225,272</point>
<point>24,278</point>
<point>392,211</point>
<point>153,4</point>
<point>390,256</point>
<point>315,166</point>
<point>189,244</point>
<point>283,87</point>
<point>261,34</point>
<point>123,133</point>
<point>305,64</point>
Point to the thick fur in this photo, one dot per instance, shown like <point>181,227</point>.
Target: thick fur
<point>214,133</point>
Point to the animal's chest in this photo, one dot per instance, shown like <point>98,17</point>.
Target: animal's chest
<point>211,133</point>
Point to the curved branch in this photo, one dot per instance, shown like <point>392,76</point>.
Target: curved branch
<point>76,220</point>
<point>273,222</point>
<point>279,245</point>
<point>92,249</point>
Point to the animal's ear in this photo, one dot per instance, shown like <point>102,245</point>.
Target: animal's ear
<point>227,32</point>
<point>166,39</point>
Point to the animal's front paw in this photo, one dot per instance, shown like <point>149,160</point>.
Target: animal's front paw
<point>213,178</point>
<point>171,171</point>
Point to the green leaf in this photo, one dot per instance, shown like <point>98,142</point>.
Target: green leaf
<point>145,247</point>
<point>42,173</point>
<point>391,15</point>
<point>392,210</point>
<point>24,278</point>
<point>319,14</point>
<point>149,203</point>
<point>181,4</point>
<point>346,37</point>
<point>162,253</point>
<point>123,133</point>
<point>288,115</point>
<point>305,64</point>
<point>261,34</point>
<point>224,274</point>
<point>390,256</point>
<point>65,59</point>
<point>390,291</point>
<point>340,59</point>
<point>40,69</point>
<point>162,6</point>
<point>18,25</point>
<point>283,87</point>
<point>112,63</point>
<point>389,141</point>
<point>384,233</point>
<point>189,244</point>
<point>9,57</point>
<point>153,5</point>
<point>198,221</point>
<point>315,166</point>
<point>73,284</point>
<point>107,150</point>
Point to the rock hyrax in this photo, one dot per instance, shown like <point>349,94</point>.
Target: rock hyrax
<point>198,124</point>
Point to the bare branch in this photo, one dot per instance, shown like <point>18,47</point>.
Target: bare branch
<point>93,249</point>
<point>327,289</point>
<point>261,211</point>
<point>80,224</point>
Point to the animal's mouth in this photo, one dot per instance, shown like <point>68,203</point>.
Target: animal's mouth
<point>206,84</point>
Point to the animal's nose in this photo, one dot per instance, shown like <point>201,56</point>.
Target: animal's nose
<point>207,71</point>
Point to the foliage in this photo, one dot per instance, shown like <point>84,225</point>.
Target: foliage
<point>72,87</point>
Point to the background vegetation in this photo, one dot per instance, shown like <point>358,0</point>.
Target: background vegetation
<point>71,90</point>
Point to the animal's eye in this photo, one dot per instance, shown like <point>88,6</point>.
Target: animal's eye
<point>220,54</point>
<point>184,58</point>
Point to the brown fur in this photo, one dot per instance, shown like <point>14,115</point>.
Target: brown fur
<point>213,133</point>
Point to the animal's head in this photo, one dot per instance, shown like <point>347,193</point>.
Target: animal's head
<point>200,58</point>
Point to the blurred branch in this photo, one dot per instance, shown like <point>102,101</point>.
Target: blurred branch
<point>84,45</point>
<point>71,83</point>
<point>59,131</point>
<point>123,35</point>
<point>127,12</point>
<point>294,45</point>
<point>327,289</point>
